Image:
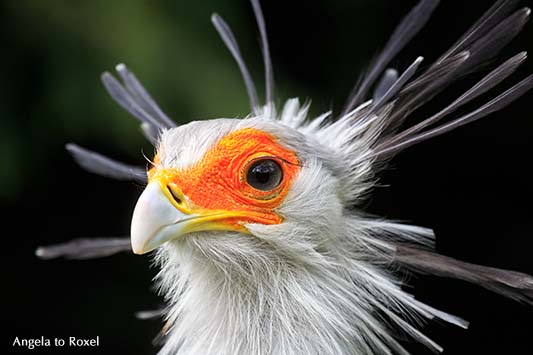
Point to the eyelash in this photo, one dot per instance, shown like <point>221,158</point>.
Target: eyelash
<point>274,157</point>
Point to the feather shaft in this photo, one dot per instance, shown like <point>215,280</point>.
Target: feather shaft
<point>101,165</point>
<point>229,40</point>
<point>85,248</point>
<point>512,284</point>
<point>265,49</point>
<point>406,30</point>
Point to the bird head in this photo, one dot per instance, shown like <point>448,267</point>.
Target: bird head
<point>226,185</point>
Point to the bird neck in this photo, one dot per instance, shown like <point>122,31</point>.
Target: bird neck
<point>237,301</point>
<point>253,307</point>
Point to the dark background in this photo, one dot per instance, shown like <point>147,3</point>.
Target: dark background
<point>473,186</point>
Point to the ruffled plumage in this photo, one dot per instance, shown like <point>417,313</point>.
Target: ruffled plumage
<point>328,279</point>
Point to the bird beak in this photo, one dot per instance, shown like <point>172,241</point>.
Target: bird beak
<point>158,218</point>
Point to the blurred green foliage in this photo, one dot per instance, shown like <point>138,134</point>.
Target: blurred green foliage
<point>53,53</point>
<point>56,50</point>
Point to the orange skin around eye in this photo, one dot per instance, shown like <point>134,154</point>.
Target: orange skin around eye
<point>218,181</point>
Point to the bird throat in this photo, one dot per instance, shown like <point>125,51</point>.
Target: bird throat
<point>228,294</point>
<point>251,307</point>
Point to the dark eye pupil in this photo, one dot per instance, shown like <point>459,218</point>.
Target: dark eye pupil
<point>264,175</point>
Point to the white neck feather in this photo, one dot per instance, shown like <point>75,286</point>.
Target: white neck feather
<point>225,300</point>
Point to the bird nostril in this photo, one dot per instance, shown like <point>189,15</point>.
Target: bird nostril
<point>176,195</point>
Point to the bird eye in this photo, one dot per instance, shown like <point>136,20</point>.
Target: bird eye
<point>264,175</point>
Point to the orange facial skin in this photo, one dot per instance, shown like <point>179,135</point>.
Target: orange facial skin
<point>218,181</point>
